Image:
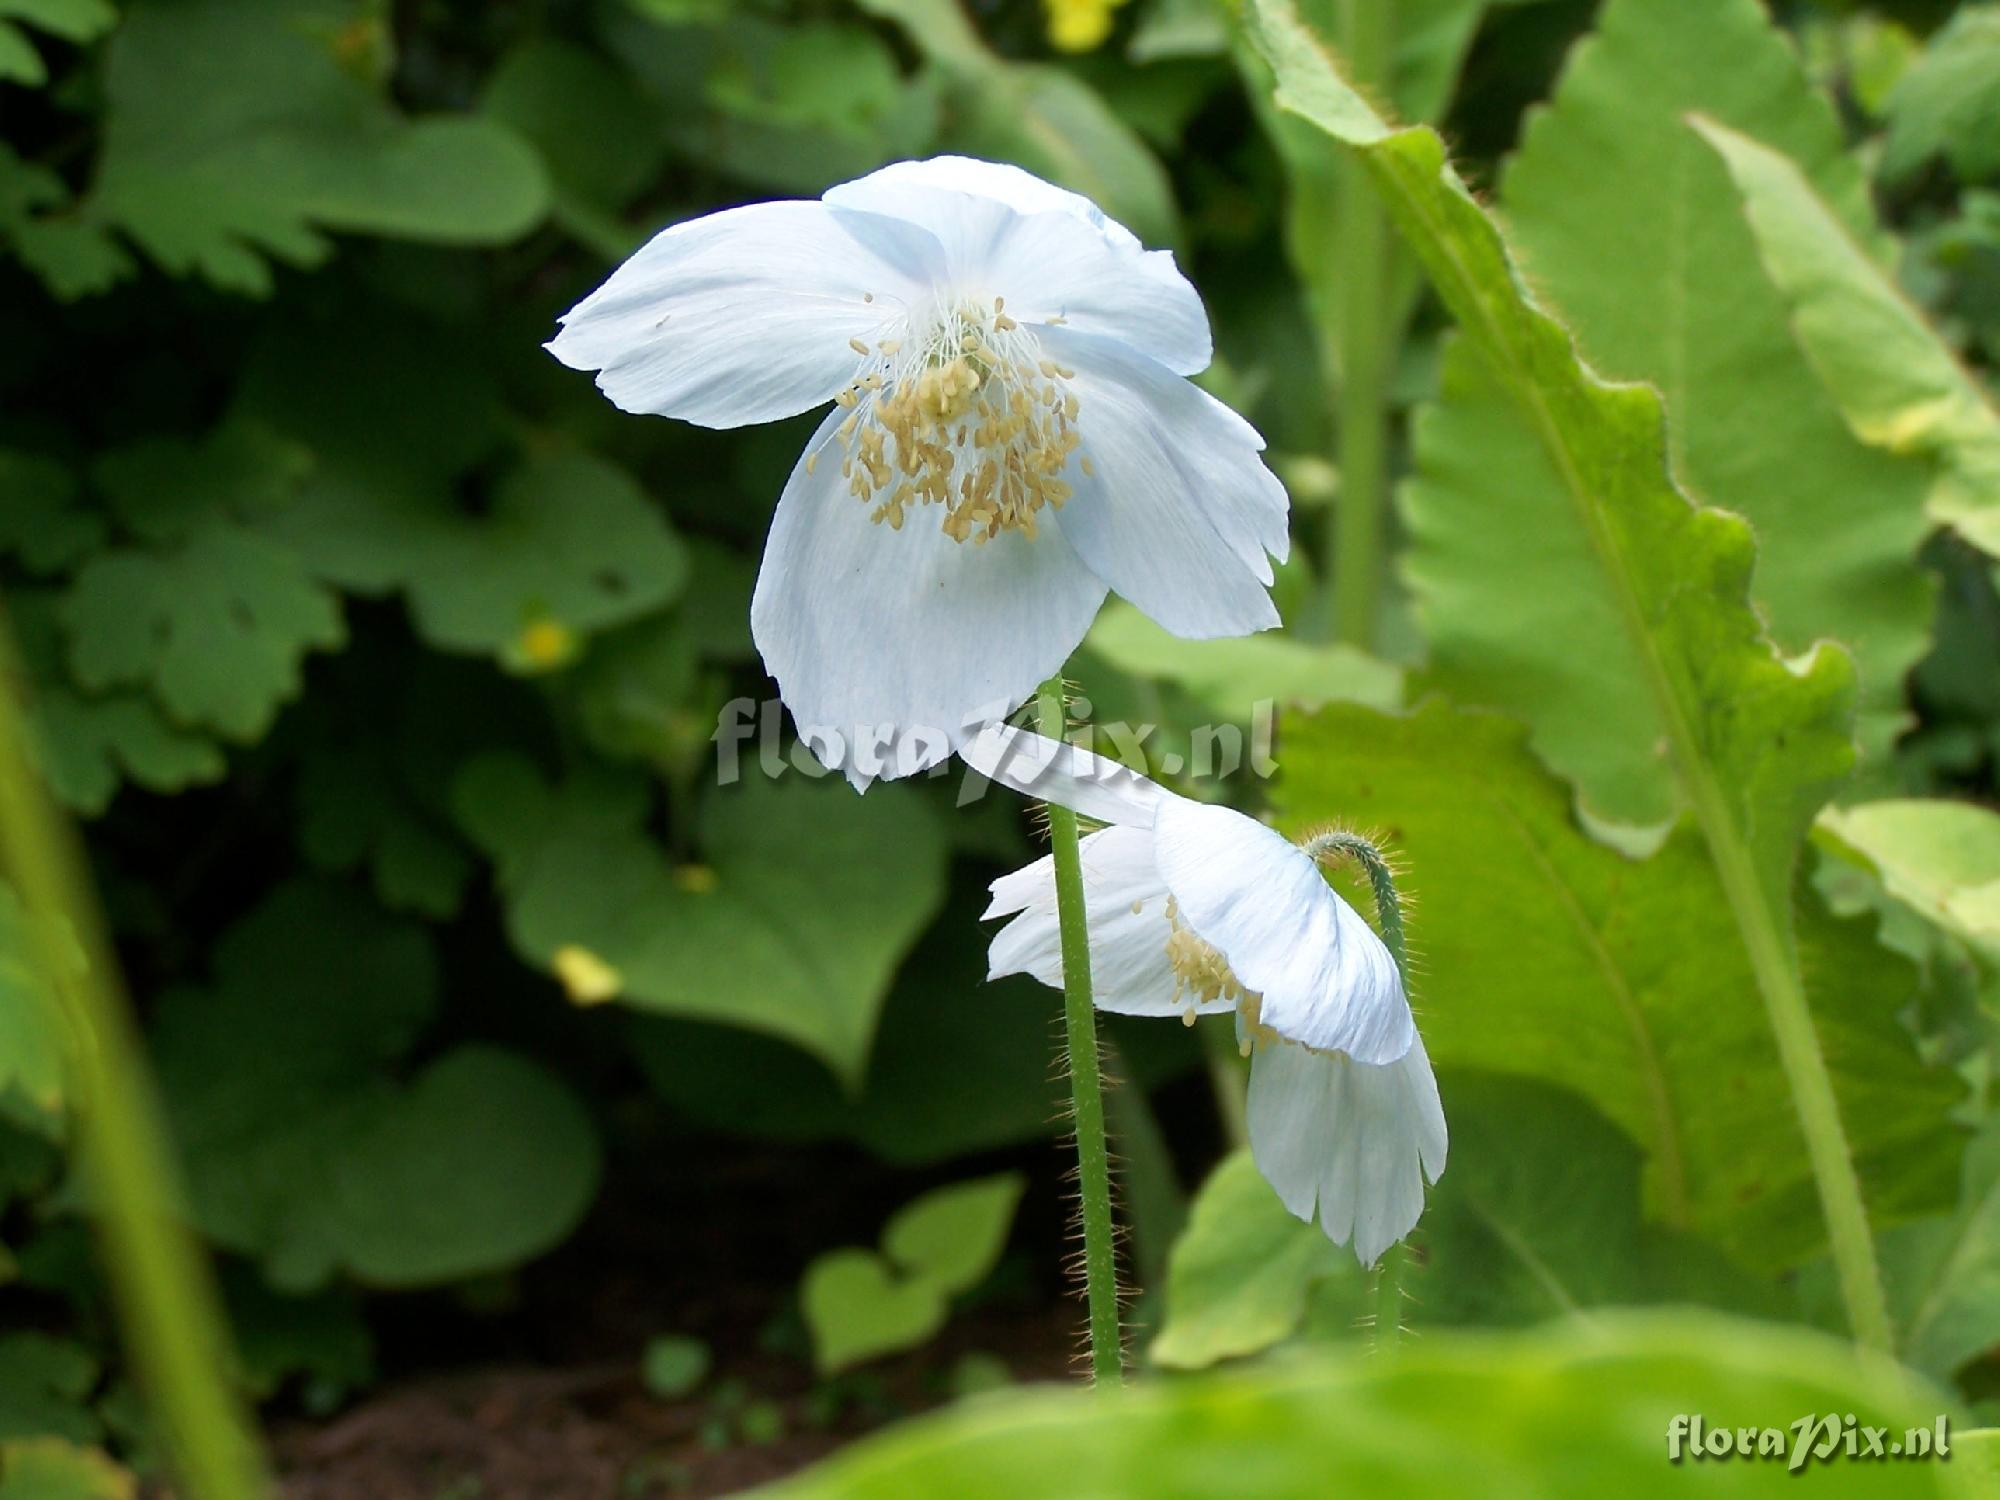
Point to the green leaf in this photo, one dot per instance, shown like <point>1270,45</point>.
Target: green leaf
<point>1538,1216</point>
<point>76,21</point>
<point>1543,953</point>
<point>1978,1452</point>
<point>1701,710</point>
<point>48,1468</point>
<point>856,1309</point>
<point>323,1338</point>
<point>486,1161</point>
<point>911,1111</point>
<point>859,1305</point>
<point>168,490</point>
<point>1940,859</point>
<point>353,813</point>
<point>1896,382</point>
<point>674,1366</point>
<point>1232,676</point>
<point>45,1387</point>
<point>953,1236</point>
<point>567,102</point>
<point>41,522</point>
<point>1046,119</point>
<point>1949,102</point>
<point>398,414</point>
<point>240,129</point>
<point>1531,604</point>
<point>764,935</point>
<point>1560,1413</point>
<point>215,628</point>
<point>570,545</point>
<point>1944,1273</point>
<point>1239,1274</point>
<point>308,1148</point>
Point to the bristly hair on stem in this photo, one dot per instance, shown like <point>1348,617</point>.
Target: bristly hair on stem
<point>1100,1250</point>
<point>1387,1320</point>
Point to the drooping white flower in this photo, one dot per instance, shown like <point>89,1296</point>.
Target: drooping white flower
<point>1011,435</point>
<point>1195,909</point>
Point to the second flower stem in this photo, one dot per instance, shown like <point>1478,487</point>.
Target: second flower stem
<point>1093,1157</point>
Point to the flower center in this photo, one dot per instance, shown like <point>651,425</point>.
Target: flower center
<point>969,416</point>
<point>1202,974</point>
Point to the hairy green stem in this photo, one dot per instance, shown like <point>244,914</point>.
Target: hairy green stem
<point>166,1300</point>
<point>1388,1330</point>
<point>1365,319</point>
<point>1093,1160</point>
<point>1388,918</point>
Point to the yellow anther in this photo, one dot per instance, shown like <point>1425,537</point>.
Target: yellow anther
<point>974,420</point>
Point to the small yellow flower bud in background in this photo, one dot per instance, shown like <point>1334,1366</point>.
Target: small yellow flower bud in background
<point>696,880</point>
<point>543,645</point>
<point>587,979</point>
<point>1079,25</point>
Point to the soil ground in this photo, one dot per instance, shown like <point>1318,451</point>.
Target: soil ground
<point>543,1400</point>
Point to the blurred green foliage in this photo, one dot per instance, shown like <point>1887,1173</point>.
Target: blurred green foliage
<point>381,657</point>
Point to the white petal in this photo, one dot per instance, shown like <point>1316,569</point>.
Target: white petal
<point>881,191</point>
<point>1048,252</point>
<point>892,647</point>
<point>1055,771</point>
<point>1326,978</point>
<point>1129,971</point>
<point>744,316</point>
<point>1179,513</point>
<point>1355,1141</point>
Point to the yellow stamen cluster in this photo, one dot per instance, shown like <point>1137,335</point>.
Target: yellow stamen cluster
<point>1202,975</point>
<point>975,421</point>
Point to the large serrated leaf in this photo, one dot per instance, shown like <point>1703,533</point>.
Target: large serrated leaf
<point>1895,380</point>
<point>1661,285</point>
<point>1541,952</point>
<point>1537,1217</point>
<point>1756,743</point>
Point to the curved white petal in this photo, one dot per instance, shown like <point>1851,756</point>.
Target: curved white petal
<point>1050,253</point>
<point>1055,771</point>
<point>1125,907</point>
<point>1355,1141</point>
<point>882,191</point>
<point>1178,512</point>
<point>745,316</point>
<point>891,647</point>
<point>1325,977</point>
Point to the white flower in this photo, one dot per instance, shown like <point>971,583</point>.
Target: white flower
<point>1012,436</point>
<point>1194,909</point>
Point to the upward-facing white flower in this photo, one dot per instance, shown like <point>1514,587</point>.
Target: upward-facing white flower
<point>1011,435</point>
<point>1194,909</point>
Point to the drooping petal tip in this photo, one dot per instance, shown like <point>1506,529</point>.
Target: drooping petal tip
<point>1351,1142</point>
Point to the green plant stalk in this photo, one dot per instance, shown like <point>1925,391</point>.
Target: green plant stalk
<point>1424,217</point>
<point>1389,920</point>
<point>1365,319</point>
<point>1093,1159</point>
<point>167,1302</point>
